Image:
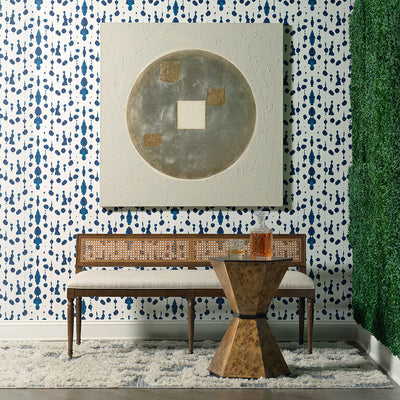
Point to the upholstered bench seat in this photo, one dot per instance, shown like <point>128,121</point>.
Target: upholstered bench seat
<point>145,279</point>
<point>296,280</point>
<point>168,279</point>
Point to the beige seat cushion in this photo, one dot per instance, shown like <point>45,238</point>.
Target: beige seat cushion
<point>296,280</point>
<point>145,279</point>
<point>168,279</point>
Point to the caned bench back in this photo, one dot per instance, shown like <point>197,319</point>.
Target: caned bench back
<point>181,250</point>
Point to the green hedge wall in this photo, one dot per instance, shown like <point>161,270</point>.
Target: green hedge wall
<point>374,181</point>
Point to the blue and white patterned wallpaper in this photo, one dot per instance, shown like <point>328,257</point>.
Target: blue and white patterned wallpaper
<point>49,151</point>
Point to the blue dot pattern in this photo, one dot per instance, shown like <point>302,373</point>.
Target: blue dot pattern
<point>49,145</point>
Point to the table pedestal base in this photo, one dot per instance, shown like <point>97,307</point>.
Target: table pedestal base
<point>241,354</point>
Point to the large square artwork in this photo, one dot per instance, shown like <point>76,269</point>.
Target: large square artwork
<point>191,115</point>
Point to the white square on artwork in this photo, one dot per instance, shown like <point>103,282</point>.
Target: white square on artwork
<point>191,115</point>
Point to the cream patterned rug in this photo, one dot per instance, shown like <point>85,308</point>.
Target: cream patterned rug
<point>166,364</point>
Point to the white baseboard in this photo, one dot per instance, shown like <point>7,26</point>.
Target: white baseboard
<point>204,329</point>
<point>379,353</point>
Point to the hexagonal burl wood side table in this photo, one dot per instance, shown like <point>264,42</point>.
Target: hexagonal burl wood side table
<point>248,348</point>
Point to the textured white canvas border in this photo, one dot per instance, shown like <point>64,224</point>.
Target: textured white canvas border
<point>255,179</point>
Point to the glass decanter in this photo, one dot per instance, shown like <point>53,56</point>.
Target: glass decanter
<point>260,237</point>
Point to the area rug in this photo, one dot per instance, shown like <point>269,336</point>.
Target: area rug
<point>167,364</point>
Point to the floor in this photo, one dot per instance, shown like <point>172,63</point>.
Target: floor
<point>205,394</point>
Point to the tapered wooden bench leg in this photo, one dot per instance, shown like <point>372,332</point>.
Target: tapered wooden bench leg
<point>310,323</point>
<point>191,322</point>
<point>301,319</point>
<point>78,319</point>
<point>70,317</point>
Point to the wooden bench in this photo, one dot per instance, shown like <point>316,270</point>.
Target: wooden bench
<point>186,255</point>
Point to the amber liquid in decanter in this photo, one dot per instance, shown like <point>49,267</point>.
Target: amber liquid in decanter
<point>261,244</point>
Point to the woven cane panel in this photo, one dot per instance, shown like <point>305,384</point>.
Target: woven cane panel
<point>104,251</point>
<point>290,248</point>
<point>118,250</point>
<point>204,249</point>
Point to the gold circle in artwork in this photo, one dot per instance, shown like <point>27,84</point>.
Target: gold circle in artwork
<point>191,114</point>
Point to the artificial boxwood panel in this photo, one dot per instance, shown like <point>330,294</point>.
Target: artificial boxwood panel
<point>374,181</point>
